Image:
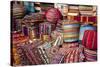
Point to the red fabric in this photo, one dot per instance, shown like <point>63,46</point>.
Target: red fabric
<point>72,55</point>
<point>92,19</point>
<point>90,39</point>
<point>84,19</point>
<point>53,15</point>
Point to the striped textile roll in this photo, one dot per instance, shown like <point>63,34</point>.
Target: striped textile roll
<point>90,55</point>
<point>83,28</point>
<point>70,31</point>
<point>25,30</point>
<point>46,28</point>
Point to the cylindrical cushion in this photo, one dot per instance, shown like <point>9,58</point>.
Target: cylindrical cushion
<point>90,39</point>
<point>83,28</point>
<point>53,15</point>
<point>70,31</point>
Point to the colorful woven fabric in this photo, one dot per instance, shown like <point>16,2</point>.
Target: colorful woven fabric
<point>70,31</point>
<point>23,58</point>
<point>16,57</point>
<point>46,28</point>
<point>53,15</point>
<point>90,55</point>
<point>73,55</point>
<point>83,28</point>
<point>33,18</point>
<point>58,58</point>
<point>32,55</point>
<point>90,39</point>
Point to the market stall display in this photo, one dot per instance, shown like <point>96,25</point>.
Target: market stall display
<point>52,33</point>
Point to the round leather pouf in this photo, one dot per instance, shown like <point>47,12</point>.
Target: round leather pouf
<point>53,15</point>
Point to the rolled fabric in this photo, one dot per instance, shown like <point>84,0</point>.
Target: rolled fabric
<point>46,28</point>
<point>25,30</point>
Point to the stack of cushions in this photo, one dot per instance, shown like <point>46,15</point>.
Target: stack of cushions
<point>73,52</point>
<point>73,10</point>
<point>33,17</point>
<point>89,41</point>
<point>90,55</point>
<point>45,30</point>
<point>70,31</point>
<point>87,10</point>
<point>18,9</point>
<point>65,10</point>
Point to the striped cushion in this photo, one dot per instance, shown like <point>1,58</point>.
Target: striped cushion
<point>90,55</point>
<point>70,31</point>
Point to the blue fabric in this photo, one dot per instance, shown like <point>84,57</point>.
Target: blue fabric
<point>29,7</point>
<point>83,28</point>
